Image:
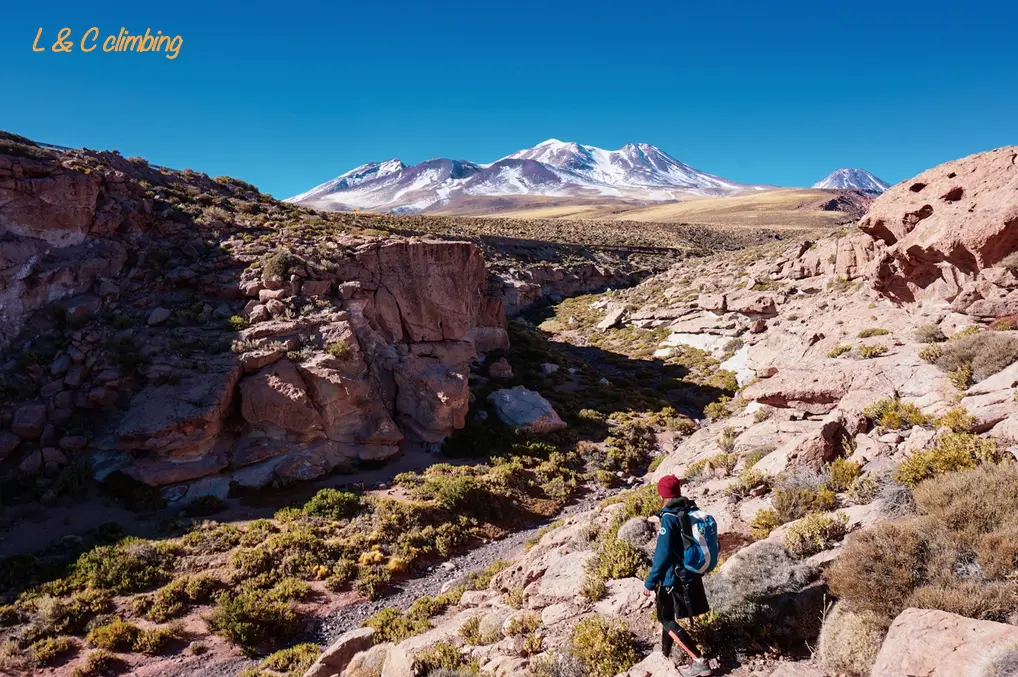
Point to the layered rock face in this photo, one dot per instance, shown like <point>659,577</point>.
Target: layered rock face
<point>209,345</point>
<point>939,237</point>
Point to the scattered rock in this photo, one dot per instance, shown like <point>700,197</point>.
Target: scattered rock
<point>157,316</point>
<point>526,410</point>
<point>500,369</point>
<point>29,421</point>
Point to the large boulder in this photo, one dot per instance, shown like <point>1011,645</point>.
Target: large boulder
<point>935,643</point>
<point>525,409</point>
<point>945,225</point>
<point>334,660</point>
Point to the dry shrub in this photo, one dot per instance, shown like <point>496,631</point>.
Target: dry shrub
<point>849,641</point>
<point>986,353</point>
<point>973,599</point>
<point>882,566</point>
<point>997,552</point>
<point>762,596</point>
<point>973,502</point>
<point>1004,664</point>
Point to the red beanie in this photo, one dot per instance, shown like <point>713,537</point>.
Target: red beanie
<point>669,486</point>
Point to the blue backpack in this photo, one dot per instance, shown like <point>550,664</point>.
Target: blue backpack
<point>700,542</point>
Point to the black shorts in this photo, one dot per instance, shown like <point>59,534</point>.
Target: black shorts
<point>683,600</point>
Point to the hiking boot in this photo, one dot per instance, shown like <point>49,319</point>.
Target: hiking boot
<point>697,668</point>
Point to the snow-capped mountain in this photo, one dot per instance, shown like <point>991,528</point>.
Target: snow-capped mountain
<point>635,165</point>
<point>853,179</point>
<point>552,169</point>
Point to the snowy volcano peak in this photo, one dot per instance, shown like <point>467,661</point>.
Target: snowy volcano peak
<point>853,179</point>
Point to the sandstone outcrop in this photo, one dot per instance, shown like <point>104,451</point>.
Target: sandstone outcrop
<point>211,353</point>
<point>940,644</point>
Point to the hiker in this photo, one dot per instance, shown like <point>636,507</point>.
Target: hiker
<point>681,552</point>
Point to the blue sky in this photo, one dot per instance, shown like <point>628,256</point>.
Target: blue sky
<point>287,95</point>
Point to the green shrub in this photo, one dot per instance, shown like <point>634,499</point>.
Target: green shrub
<point>212,537</point>
<point>877,331</point>
<point>793,504</point>
<point>613,559</point>
<point>838,351</point>
<point>875,350</point>
<point>762,414</point>
<point>237,323</point>
<point>50,650</point>
<point>961,377</point>
<point>392,625</point>
<point>117,635</point>
<point>333,504</point>
<point>338,349</point>
<point>605,648</point>
<point>815,533</point>
<point>723,462</point>
<point>748,480</point>
<point>293,661</point>
<point>893,414</point>
<point>97,663</point>
<point>842,473</point>
<point>523,624</point>
<point>248,619</point>
<point>952,451</point>
<point>764,522</point>
<point>443,656</point>
<point>132,565</point>
<point>279,264</point>
<point>715,411</point>
<point>957,419</point>
<point>471,633</point>
<point>155,641</point>
<point>931,353</point>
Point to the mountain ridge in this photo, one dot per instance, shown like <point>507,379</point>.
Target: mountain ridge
<point>551,168</point>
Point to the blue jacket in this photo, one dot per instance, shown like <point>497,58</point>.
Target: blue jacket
<point>669,549</point>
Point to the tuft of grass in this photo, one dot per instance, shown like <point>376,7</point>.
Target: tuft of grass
<point>874,331</point>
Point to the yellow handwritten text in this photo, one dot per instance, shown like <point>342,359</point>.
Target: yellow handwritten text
<point>122,41</point>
